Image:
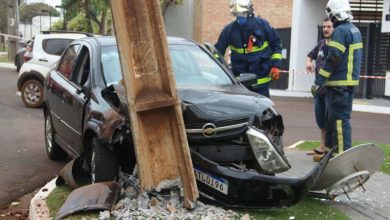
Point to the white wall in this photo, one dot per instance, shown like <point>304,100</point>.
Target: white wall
<point>307,15</point>
<point>386,14</point>
<point>38,24</point>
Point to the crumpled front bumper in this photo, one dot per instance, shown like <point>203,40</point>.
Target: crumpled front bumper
<point>250,189</point>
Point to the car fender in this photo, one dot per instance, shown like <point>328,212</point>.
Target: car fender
<point>23,76</point>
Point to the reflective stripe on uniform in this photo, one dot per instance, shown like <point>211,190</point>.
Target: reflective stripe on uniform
<point>342,83</point>
<point>352,49</point>
<point>337,45</point>
<point>324,73</point>
<point>254,49</point>
<point>340,140</point>
<point>263,80</point>
<point>276,56</point>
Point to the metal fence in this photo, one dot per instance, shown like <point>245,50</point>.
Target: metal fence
<point>376,60</point>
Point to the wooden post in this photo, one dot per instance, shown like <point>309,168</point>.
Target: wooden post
<point>158,130</point>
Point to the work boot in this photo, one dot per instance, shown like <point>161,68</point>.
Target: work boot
<point>318,157</point>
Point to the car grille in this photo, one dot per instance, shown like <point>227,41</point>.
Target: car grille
<point>217,130</point>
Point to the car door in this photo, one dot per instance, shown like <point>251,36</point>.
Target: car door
<point>57,83</point>
<point>74,99</point>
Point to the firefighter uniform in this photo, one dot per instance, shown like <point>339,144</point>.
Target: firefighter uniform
<point>255,48</point>
<point>340,75</point>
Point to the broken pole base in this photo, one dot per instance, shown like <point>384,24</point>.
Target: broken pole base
<point>158,131</point>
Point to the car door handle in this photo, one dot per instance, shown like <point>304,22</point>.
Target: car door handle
<point>43,60</point>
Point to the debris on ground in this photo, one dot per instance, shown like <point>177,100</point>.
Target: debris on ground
<point>165,204</point>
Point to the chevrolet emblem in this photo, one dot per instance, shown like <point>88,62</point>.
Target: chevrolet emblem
<point>209,130</point>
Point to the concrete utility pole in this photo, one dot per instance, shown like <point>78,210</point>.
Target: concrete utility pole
<point>158,131</point>
<point>13,27</point>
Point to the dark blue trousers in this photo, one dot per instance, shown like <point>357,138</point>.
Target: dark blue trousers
<point>338,114</point>
<point>262,89</point>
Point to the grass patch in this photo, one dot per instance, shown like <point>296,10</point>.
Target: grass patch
<point>308,208</point>
<point>57,198</point>
<point>3,48</point>
<point>385,168</point>
<point>4,59</point>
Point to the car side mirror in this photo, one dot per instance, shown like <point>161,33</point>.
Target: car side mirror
<point>217,55</point>
<point>248,79</point>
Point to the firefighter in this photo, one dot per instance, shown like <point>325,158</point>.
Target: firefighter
<point>255,46</point>
<point>339,76</point>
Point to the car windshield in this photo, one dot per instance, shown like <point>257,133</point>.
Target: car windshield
<point>191,66</point>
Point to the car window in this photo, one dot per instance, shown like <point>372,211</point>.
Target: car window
<point>83,67</point>
<point>68,61</point>
<point>191,65</point>
<point>111,66</point>
<point>55,46</point>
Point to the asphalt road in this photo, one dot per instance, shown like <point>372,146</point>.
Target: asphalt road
<point>25,167</point>
<point>299,121</point>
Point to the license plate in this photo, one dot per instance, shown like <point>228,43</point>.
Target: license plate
<point>216,183</point>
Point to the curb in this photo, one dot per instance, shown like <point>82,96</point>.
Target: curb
<point>7,65</point>
<point>38,207</point>
<point>293,146</point>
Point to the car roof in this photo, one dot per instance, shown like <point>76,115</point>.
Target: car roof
<point>60,36</point>
<point>111,40</point>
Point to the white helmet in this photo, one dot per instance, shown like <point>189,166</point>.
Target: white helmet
<point>241,6</point>
<point>339,9</point>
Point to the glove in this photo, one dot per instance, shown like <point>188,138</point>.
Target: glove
<point>318,90</point>
<point>274,73</point>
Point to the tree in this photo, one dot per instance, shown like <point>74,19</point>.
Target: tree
<point>165,4</point>
<point>3,16</point>
<point>80,23</point>
<point>96,14</point>
<point>27,12</point>
<point>96,11</point>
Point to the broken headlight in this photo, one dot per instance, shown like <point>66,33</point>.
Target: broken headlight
<point>266,154</point>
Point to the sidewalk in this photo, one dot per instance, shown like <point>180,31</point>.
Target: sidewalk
<point>381,106</point>
<point>372,204</point>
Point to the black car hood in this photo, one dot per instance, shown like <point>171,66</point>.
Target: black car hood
<point>212,103</point>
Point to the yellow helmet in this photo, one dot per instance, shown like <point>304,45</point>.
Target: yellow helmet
<point>241,6</point>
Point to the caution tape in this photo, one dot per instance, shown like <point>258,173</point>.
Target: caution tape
<point>361,76</point>
<point>11,36</point>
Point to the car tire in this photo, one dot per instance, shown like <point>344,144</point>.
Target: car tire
<point>32,93</point>
<point>104,163</point>
<point>53,150</point>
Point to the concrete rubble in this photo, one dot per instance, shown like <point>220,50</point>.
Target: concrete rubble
<point>164,204</point>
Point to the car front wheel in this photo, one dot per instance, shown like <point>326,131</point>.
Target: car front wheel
<point>53,150</point>
<point>104,163</point>
<point>32,93</point>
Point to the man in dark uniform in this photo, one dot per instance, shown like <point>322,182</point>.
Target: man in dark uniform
<point>340,74</point>
<point>255,46</point>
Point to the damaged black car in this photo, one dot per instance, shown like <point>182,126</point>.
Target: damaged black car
<point>235,135</point>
